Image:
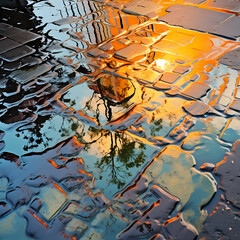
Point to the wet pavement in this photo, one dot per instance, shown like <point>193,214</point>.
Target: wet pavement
<point>120,120</point>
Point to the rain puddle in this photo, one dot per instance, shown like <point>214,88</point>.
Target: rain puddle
<point>119,120</point>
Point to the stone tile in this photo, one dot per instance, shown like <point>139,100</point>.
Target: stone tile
<point>232,5</point>
<point>177,228</point>
<point>169,77</point>
<point>161,86</point>
<point>8,32</point>
<point>181,69</point>
<point>95,52</point>
<point>228,169</point>
<point>196,108</point>
<point>106,47</point>
<point>189,17</point>
<point>231,59</point>
<point>4,26</point>
<point>67,20</point>
<point>207,167</point>
<point>229,29</point>
<point>223,223</point>
<point>7,44</point>
<point>17,53</point>
<point>224,100</point>
<point>147,76</point>
<point>26,76</point>
<point>52,198</point>
<point>195,90</point>
<point>124,41</point>
<point>25,37</point>
<point>132,51</point>
<point>195,77</point>
<point>237,93</point>
<point>142,7</point>
<point>236,105</point>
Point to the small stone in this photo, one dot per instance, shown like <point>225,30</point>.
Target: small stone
<point>143,8</point>
<point>106,47</point>
<point>162,86</point>
<point>181,69</point>
<point>24,76</point>
<point>235,105</point>
<point>196,90</point>
<point>132,51</point>
<point>177,228</point>
<point>95,52</point>
<point>195,77</point>
<point>67,20</point>
<point>224,100</point>
<point>207,167</point>
<point>169,77</point>
<point>231,59</point>
<point>147,76</point>
<point>196,108</point>
<point>53,198</point>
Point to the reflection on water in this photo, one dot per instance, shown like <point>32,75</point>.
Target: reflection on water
<point>111,122</point>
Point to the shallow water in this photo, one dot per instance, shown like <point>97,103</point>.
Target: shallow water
<point>112,123</point>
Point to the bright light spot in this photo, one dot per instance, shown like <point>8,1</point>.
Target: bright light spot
<point>161,63</point>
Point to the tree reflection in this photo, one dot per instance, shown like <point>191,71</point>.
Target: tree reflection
<point>123,155</point>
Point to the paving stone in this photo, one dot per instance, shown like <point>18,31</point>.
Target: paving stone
<point>195,77</point>
<point>52,198</point>
<point>196,90</point>
<point>67,20</point>
<point>196,108</point>
<point>17,53</point>
<point>169,77</point>
<point>142,7</point>
<point>24,76</point>
<point>76,228</point>
<point>147,76</point>
<point>229,29</point>
<point>228,170</point>
<point>7,44</point>
<point>177,228</point>
<point>235,105</point>
<point>224,101</point>
<point>223,223</point>
<point>4,26</point>
<point>188,17</point>
<point>8,32</point>
<point>162,86</point>
<point>207,167</point>
<point>231,59</point>
<point>232,5</point>
<point>237,93</point>
<point>181,69</point>
<point>95,52</point>
<point>124,41</point>
<point>106,47</point>
<point>132,51</point>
